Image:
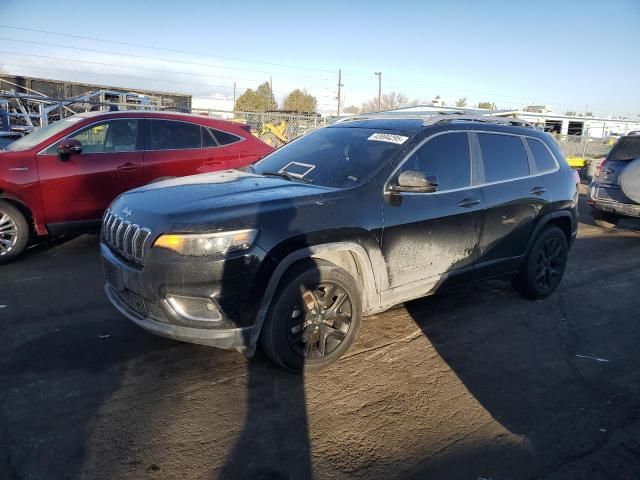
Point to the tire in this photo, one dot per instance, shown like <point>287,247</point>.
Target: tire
<point>604,220</point>
<point>544,266</point>
<point>630,180</point>
<point>14,232</point>
<point>313,318</point>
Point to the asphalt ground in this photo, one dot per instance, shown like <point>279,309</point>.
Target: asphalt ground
<point>472,384</point>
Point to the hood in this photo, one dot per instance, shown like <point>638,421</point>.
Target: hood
<point>214,198</point>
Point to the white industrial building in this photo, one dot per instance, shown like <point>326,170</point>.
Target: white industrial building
<point>594,127</point>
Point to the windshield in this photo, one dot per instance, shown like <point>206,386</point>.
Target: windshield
<point>41,134</point>
<point>627,148</point>
<point>334,157</point>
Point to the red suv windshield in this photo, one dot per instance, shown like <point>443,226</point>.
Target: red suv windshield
<point>41,134</point>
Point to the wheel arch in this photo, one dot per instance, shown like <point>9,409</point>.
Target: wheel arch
<point>350,256</point>
<point>22,208</point>
<point>562,219</point>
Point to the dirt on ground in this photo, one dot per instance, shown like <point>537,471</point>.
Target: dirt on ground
<point>471,384</point>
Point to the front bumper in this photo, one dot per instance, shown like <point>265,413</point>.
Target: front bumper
<point>141,294</point>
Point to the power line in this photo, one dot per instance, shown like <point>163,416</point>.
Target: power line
<point>170,60</point>
<point>129,44</point>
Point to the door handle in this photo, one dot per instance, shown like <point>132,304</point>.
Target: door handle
<point>538,190</point>
<point>468,202</point>
<point>128,167</point>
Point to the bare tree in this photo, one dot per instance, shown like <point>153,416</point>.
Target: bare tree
<point>388,101</point>
<point>461,102</point>
<point>351,109</point>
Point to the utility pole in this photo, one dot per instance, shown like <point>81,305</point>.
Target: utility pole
<point>271,88</point>
<point>234,96</point>
<point>340,85</point>
<point>379,74</point>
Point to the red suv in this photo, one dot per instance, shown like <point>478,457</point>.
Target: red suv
<point>63,176</point>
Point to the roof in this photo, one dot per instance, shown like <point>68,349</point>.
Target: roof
<point>414,121</point>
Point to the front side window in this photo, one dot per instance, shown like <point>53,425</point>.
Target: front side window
<point>541,155</point>
<point>105,137</point>
<point>447,157</point>
<point>504,157</point>
<point>174,135</point>
<point>339,156</point>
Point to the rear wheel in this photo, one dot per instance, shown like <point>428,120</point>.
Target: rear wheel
<point>14,232</point>
<point>314,317</point>
<point>604,220</point>
<point>544,266</point>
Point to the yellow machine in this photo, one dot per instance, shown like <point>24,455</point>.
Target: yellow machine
<point>274,135</point>
<point>576,162</point>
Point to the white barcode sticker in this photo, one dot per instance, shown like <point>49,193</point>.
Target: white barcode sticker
<point>388,137</point>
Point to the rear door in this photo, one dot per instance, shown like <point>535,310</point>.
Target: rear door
<point>515,197</point>
<point>81,188</point>
<point>174,149</point>
<point>428,234</point>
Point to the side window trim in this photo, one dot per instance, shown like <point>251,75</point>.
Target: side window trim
<point>472,165</point>
<point>140,143</point>
<point>203,129</point>
<point>211,131</point>
<point>535,165</point>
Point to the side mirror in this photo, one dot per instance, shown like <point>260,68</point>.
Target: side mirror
<point>415,181</point>
<point>68,147</point>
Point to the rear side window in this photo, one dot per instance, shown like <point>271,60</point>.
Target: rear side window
<point>503,156</point>
<point>541,155</point>
<point>207,139</point>
<point>225,138</point>
<point>172,135</point>
<point>626,148</point>
<point>445,156</point>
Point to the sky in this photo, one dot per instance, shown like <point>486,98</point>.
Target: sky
<point>570,55</point>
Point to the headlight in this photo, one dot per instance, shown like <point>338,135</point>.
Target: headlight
<point>200,245</point>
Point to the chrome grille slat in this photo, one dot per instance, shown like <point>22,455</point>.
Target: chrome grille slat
<point>126,238</point>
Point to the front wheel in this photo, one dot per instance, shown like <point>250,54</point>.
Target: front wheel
<point>314,317</point>
<point>14,232</point>
<point>545,265</point>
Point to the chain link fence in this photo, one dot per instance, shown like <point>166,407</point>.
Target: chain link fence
<point>583,146</point>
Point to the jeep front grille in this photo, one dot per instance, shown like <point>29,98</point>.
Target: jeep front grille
<point>124,237</point>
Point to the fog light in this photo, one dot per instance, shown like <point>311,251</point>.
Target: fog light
<point>194,308</point>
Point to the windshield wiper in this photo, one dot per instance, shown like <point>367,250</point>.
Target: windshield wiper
<point>286,176</point>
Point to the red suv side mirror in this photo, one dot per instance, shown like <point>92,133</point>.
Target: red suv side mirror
<point>68,147</point>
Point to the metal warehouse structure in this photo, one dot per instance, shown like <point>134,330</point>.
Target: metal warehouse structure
<point>563,125</point>
<point>34,102</point>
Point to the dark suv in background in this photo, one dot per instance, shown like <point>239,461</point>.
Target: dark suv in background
<point>614,192</point>
<point>346,221</point>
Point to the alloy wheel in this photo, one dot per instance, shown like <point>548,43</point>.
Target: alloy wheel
<point>320,322</point>
<point>8,233</point>
<point>549,264</point>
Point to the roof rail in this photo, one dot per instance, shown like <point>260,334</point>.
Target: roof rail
<point>514,122</point>
<point>435,117</point>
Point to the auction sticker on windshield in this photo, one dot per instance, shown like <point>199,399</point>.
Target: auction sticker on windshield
<point>388,137</point>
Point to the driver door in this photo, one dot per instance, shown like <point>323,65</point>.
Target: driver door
<point>429,234</point>
<point>80,189</point>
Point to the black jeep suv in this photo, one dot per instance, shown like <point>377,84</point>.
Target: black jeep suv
<point>614,192</point>
<point>344,222</point>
